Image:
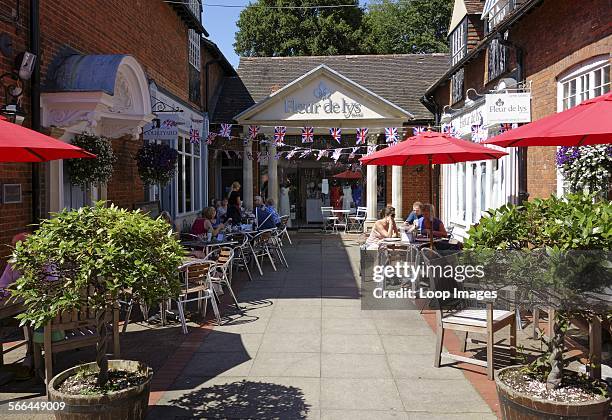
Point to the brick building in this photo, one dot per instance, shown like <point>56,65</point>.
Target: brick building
<point>320,93</point>
<point>112,69</point>
<point>551,53</point>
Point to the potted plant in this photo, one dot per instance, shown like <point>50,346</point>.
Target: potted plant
<point>156,163</point>
<point>586,168</point>
<point>106,251</point>
<point>556,254</point>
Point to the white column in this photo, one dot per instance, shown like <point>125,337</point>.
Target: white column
<point>396,191</point>
<point>56,186</point>
<point>247,176</point>
<point>272,174</point>
<point>371,189</point>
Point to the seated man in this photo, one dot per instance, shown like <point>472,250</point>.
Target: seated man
<point>275,217</point>
<point>263,216</point>
<point>428,219</point>
<point>416,214</point>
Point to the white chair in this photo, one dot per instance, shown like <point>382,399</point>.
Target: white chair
<point>355,222</point>
<point>455,315</point>
<point>329,218</point>
<point>222,272</point>
<point>196,279</point>
<point>340,221</point>
<point>284,221</point>
<point>261,248</point>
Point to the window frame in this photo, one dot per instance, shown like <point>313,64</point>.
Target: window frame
<point>497,13</point>
<point>181,176</point>
<point>194,45</point>
<point>458,42</point>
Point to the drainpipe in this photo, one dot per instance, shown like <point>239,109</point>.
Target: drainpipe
<point>523,194</point>
<point>35,101</point>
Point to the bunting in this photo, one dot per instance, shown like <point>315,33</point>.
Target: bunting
<point>307,135</point>
<point>279,135</point>
<point>362,135</point>
<point>418,130</point>
<point>336,155</point>
<point>336,133</point>
<point>253,131</point>
<point>226,130</point>
<point>194,135</point>
<point>322,153</point>
<point>391,135</point>
<point>352,154</point>
<point>371,149</point>
<point>210,138</point>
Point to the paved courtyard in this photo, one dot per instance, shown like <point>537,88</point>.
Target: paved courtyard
<point>305,349</point>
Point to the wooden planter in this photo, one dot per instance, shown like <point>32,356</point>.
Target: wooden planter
<point>129,404</point>
<point>519,406</point>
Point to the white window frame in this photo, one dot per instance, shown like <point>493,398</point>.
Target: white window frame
<point>194,49</point>
<point>496,11</point>
<point>583,77</point>
<point>458,42</point>
<point>181,177</point>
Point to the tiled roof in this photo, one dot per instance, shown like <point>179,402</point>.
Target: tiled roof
<point>233,98</point>
<point>401,79</point>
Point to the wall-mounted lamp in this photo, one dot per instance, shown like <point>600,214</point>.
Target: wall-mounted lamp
<point>13,89</point>
<point>469,102</point>
<point>13,113</point>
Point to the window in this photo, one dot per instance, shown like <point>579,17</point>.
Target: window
<point>588,81</point>
<point>585,81</point>
<point>457,80</point>
<point>496,59</point>
<point>458,42</point>
<point>461,190</point>
<point>194,49</point>
<point>188,176</point>
<point>194,6</point>
<point>495,11</point>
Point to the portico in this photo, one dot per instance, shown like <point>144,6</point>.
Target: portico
<point>321,99</point>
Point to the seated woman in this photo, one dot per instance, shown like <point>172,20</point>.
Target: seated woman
<point>9,276</point>
<point>383,228</point>
<point>168,219</point>
<point>425,223</point>
<point>203,225</point>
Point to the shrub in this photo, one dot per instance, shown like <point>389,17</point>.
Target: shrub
<point>84,172</point>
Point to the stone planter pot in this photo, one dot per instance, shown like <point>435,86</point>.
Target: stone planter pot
<point>128,404</point>
<point>519,406</point>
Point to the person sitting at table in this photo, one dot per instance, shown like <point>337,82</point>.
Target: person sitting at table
<point>425,223</point>
<point>263,217</point>
<point>222,211</point>
<point>383,228</point>
<point>415,214</point>
<point>204,224</point>
<point>270,207</point>
<point>9,276</point>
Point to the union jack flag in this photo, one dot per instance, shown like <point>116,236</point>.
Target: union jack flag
<point>305,153</point>
<point>194,135</point>
<point>253,131</point>
<point>227,154</point>
<point>446,128</point>
<point>211,137</point>
<point>307,135</point>
<point>417,130</point>
<point>362,135</point>
<point>507,127</point>
<point>239,155</point>
<point>336,133</point>
<point>391,135</point>
<point>371,149</point>
<point>352,154</point>
<point>291,154</point>
<point>322,153</point>
<point>279,135</point>
<point>226,130</point>
<point>249,156</point>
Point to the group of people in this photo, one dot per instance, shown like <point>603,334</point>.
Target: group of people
<point>421,218</point>
<point>342,197</point>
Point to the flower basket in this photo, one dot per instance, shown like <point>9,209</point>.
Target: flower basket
<point>156,163</point>
<point>84,172</point>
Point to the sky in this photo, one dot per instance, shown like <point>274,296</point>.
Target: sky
<point>220,22</point>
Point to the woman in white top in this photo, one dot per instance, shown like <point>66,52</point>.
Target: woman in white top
<point>383,228</point>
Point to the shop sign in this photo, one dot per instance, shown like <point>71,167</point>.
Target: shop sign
<point>501,108</point>
<point>462,124</point>
<point>167,130</point>
<point>323,103</point>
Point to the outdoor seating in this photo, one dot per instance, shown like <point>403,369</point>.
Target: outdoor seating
<point>329,219</point>
<point>283,228</point>
<point>195,276</point>
<point>78,328</point>
<point>261,248</point>
<point>276,245</point>
<point>356,221</point>
<point>455,315</point>
<point>340,220</point>
<point>221,273</point>
<point>242,252</point>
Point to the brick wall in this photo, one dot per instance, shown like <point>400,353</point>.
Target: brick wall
<point>125,187</point>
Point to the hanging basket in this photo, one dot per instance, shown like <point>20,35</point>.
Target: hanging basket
<point>84,172</point>
<point>156,163</point>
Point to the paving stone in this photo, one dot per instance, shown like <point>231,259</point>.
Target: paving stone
<point>418,366</point>
<point>222,342</point>
<point>458,396</point>
<point>409,344</point>
<point>354,366</point>
<point>352,343</point>
<point>279,324</point>
<point>349,326</point>
<point>345,312</point>
<point>287,364</point>
<point>291,342</point>
<point>304,392</point>
<point>219,364</point>
<point>360,394</point>
<point>363,415</point>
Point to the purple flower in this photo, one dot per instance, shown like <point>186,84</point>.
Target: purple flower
<point>567,155</point>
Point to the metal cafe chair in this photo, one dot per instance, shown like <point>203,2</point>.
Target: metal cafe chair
<point>329,219</point>
<point>284,221</point>
<point>196,276</point>
<point>456,315</point>
<point>355,222</point>
<point>261,249</point>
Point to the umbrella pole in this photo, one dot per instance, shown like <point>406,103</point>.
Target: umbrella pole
<point>431,216</point>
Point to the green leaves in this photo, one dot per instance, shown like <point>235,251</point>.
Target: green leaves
<point>84,172</point>
<point>104,249</point>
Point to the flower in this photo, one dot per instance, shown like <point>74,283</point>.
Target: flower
<point>156,163</point>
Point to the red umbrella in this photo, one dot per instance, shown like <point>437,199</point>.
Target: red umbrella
<point>348,174</point>
<point>428,148</point>
<point>20,144</point>
<point>588,123</point>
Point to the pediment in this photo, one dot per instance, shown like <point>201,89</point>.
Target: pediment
<point>323,95</point>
